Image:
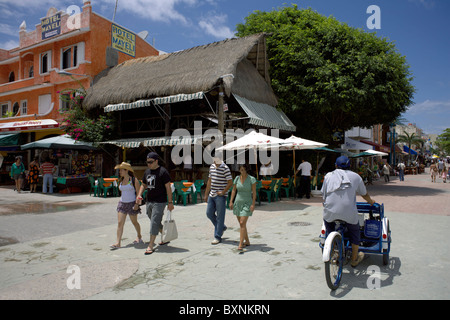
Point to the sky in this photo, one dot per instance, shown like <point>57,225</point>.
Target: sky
<point>419,29</point>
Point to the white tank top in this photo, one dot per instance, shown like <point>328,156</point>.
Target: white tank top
<point>128,192</point>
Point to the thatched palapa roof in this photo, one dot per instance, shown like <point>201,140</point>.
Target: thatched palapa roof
<point>189,71</point>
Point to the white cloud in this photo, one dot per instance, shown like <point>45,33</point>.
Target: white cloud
<point>428,4</point>
<point>430,115</point>
<point>215,25</point>
<point>8,45</point>
<point>9,30</point>
<point>429,106</point>
<point>156,10</point>
<point>30,4</point>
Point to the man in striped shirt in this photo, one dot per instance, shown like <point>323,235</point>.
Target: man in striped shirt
<point>47,169</point>
<point>219,182</point>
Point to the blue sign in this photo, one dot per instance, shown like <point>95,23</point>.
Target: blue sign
<point>51,26</point>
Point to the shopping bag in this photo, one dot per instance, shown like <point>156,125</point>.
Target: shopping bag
<point>169,231</point>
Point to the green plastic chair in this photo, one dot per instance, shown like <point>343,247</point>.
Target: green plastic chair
<point>104,190</point>
<point>290,187</point>
<point>270,191</point>
<point>277,189</point>
<point>258,188</point>
<point>93,186</point>
<point>229,197</point>
<point>198,190</point>
<point>180,193</point>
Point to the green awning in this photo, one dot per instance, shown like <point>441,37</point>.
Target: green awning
<point>264,115</point>
<point>157,101</point>
<point>7,140</point>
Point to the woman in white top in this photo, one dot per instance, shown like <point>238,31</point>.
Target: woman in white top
<point>127,203</point>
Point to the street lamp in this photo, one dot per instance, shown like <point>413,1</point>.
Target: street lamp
<point>392,137</point>
<point>70,74</point>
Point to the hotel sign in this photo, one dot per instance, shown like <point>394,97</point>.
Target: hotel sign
<point>123,40</point>
<point>51,26</point>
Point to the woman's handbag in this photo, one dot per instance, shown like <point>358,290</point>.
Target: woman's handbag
<point>169,231</point>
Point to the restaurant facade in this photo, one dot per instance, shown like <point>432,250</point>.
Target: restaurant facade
<point>223,86</point>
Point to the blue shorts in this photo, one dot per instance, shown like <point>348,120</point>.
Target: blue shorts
<point>352,232</point>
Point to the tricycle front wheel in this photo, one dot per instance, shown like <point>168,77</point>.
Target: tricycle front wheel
<point>333,267</point>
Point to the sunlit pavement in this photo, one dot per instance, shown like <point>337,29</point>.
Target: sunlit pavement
<point>57,247</point>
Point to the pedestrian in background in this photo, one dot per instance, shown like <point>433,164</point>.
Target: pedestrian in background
<point>401,171</point>
<point>17,173</point>
<point>440,166</point>
<point>128,186</point>
<point>47,170</point>
<point>33,174</point>
<point>305,178</point>
<point>433,171</point>
<point>242,202</point>
<point>444,173</point>
<point>386,172</point>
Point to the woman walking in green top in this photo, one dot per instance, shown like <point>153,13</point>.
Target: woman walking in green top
<point>17,172</point>
<point>243,204</point>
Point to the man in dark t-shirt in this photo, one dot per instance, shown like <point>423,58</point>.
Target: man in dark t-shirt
<point>157,182</point>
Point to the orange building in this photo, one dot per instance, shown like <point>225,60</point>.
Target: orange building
<point>81,44</point>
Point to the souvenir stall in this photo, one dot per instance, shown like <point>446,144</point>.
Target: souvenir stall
<point>74,161</point>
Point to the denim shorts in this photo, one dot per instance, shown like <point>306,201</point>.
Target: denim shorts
<point>353,232</point>
<point>155,212</point>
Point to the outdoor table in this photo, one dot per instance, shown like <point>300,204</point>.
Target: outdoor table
<point>266,183</point>
<point>109,181</point>
<point>188,185</point>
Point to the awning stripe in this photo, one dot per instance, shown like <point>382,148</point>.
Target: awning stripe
<point>170,141</point>
<point>126,143</point>
<point>154,142</point>
<point>264,115</point>
<point>148,102</point>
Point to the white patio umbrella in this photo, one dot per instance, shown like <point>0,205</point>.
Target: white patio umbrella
<point>296,143</point>
<point>377,153</point>
<point>253,141</point>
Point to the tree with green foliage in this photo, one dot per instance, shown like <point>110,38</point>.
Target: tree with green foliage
<point>410,139</point>
<point>81,125</point>
<point>443,141</point>
<point>329,76</point>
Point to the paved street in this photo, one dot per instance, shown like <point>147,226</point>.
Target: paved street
<point>49,242</point>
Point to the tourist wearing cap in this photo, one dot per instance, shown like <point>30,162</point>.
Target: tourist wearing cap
<point>339,191</point>
<point>157,182</point>
<point>128,185</point>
